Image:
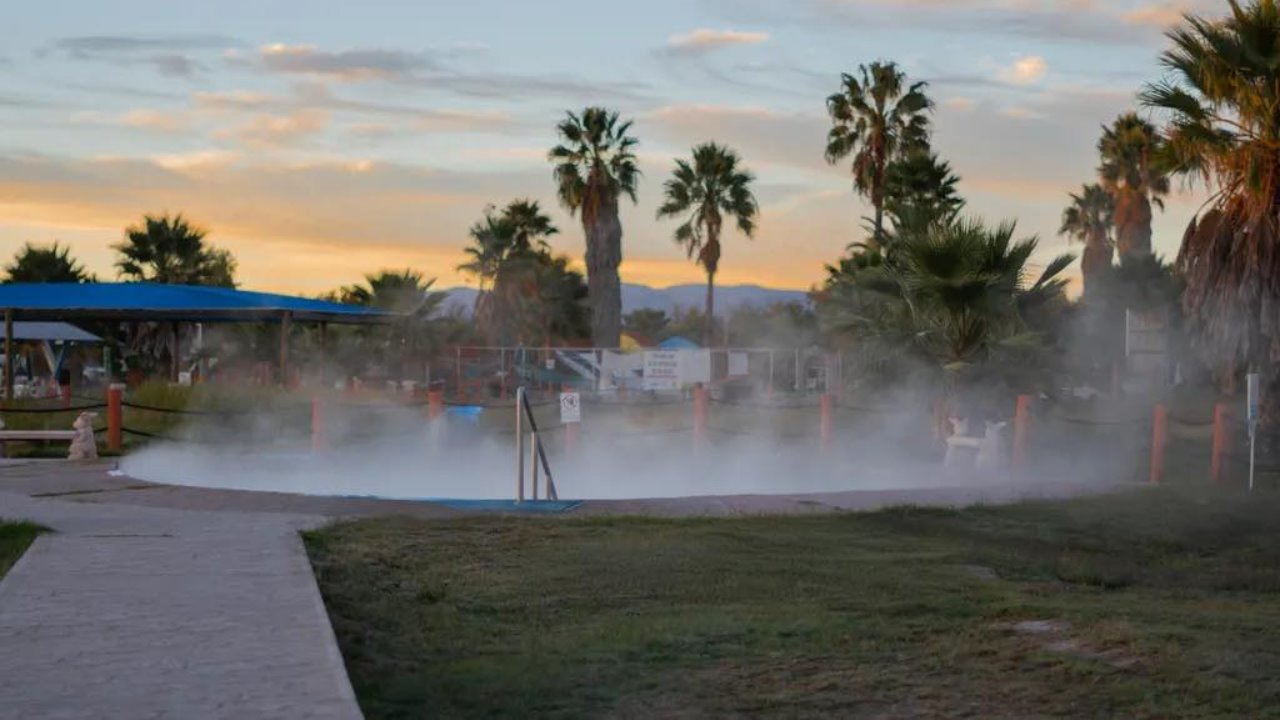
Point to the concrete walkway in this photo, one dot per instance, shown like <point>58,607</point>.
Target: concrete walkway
<point>139,612</point>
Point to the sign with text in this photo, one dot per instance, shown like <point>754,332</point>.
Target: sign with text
<point>662,370</point>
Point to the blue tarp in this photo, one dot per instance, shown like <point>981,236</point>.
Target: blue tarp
<point>679,343</point>
<point>143,301</point>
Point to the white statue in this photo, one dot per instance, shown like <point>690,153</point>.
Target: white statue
<point>83,446</point>
<point>986,452</point>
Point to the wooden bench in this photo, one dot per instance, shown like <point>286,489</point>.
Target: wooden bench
<point>8,436</point>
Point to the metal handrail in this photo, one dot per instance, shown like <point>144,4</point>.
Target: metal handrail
<point>524,411</point>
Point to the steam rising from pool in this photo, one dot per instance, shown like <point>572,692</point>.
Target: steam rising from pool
<point>616,456</point>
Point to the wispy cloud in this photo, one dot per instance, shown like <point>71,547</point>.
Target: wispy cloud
<point>270,131</point>
<point>1160,15</point>
<point>158,120</point>
<point>343,65</point>
<point>704,40</point>
<point>171,55</point>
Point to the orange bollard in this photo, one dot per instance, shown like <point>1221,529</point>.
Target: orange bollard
<point>1221,442</point>
<point>435,403</point>
<point>1159,438</point>
<point>115,417</point>
<point>824,426</point>
<point>319,434</point>
<point>699,414</point>
<point>1021,432</point>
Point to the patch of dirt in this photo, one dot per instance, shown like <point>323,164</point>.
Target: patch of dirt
<point>1052,635</point>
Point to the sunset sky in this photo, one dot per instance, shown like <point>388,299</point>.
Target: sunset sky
<point>322,140</point>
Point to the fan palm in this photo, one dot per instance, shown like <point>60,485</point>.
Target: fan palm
<point>1088,219</point>
<point>1223,99</point>
<point>703,192</point>
<point>594,165</point>
<point>518,277</point>
<point>1129,172</point>
<point>957,296</point>
<point>920,190</point>
<point>35,264</point>
<point>876,117</point>
<point>170,250</point>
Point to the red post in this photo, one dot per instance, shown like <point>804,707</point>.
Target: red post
<point>699,414</point>
<point>1021,432</point>
<point>319,433</point>
<point>66,396</point>
<point>435,403</point>
<point>824,425</point>
<point>1221,442</point>
<point>115,417</point>
<point>1159,438</point>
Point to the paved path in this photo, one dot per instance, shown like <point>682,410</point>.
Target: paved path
<point>138,612</point>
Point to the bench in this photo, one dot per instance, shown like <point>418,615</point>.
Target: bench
<point>8,436</point>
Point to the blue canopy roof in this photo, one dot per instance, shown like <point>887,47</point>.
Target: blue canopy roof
<point>679,343</point>
<point>154,301</point>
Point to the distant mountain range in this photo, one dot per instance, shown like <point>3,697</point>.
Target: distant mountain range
<point>636,297</point>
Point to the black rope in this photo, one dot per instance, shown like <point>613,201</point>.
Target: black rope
<point>145,434</point>
<point>176,411</point>
<point>1082,421</point>
<point>49,411</point>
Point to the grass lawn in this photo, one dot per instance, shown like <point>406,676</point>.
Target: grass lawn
<point>15,537</point>
<point>1147,604</point>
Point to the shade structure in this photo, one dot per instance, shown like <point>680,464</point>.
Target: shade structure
<point>183,303</point>
<point>52,332</point>
<point>147,302</point>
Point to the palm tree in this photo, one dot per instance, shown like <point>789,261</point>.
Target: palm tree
<point>409,294</point>
<point>877,118</point>
<point>35,264</point>
<point>1224,128</point>
<point>703,192</point>
<point>399,291</point>
<point>1130,173</point>
<point>168,249</point>
<point>920,190</point>
<point>594,165</point>
<point>1088,219</point>
<point>955,296</point>
<point>525,291</point>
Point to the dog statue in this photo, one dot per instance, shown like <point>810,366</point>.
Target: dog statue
<point>83,445</point>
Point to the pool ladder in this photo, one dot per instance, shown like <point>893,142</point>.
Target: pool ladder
<point>537,454</point>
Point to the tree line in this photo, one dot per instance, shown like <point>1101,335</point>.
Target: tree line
<point>957,293</point>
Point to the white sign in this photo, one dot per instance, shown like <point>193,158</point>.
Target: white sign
<point>662,370</point>
<point>570,408</point>
<point>695,366</point>
<point>738,364</point>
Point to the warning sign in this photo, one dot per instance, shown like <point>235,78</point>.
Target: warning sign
<point>570,409</point>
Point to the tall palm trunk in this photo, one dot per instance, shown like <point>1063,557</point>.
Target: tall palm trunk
<point>1133,224</point>
<point>709,333</point>
<point>604,255</point>
<point>1095,261</point>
